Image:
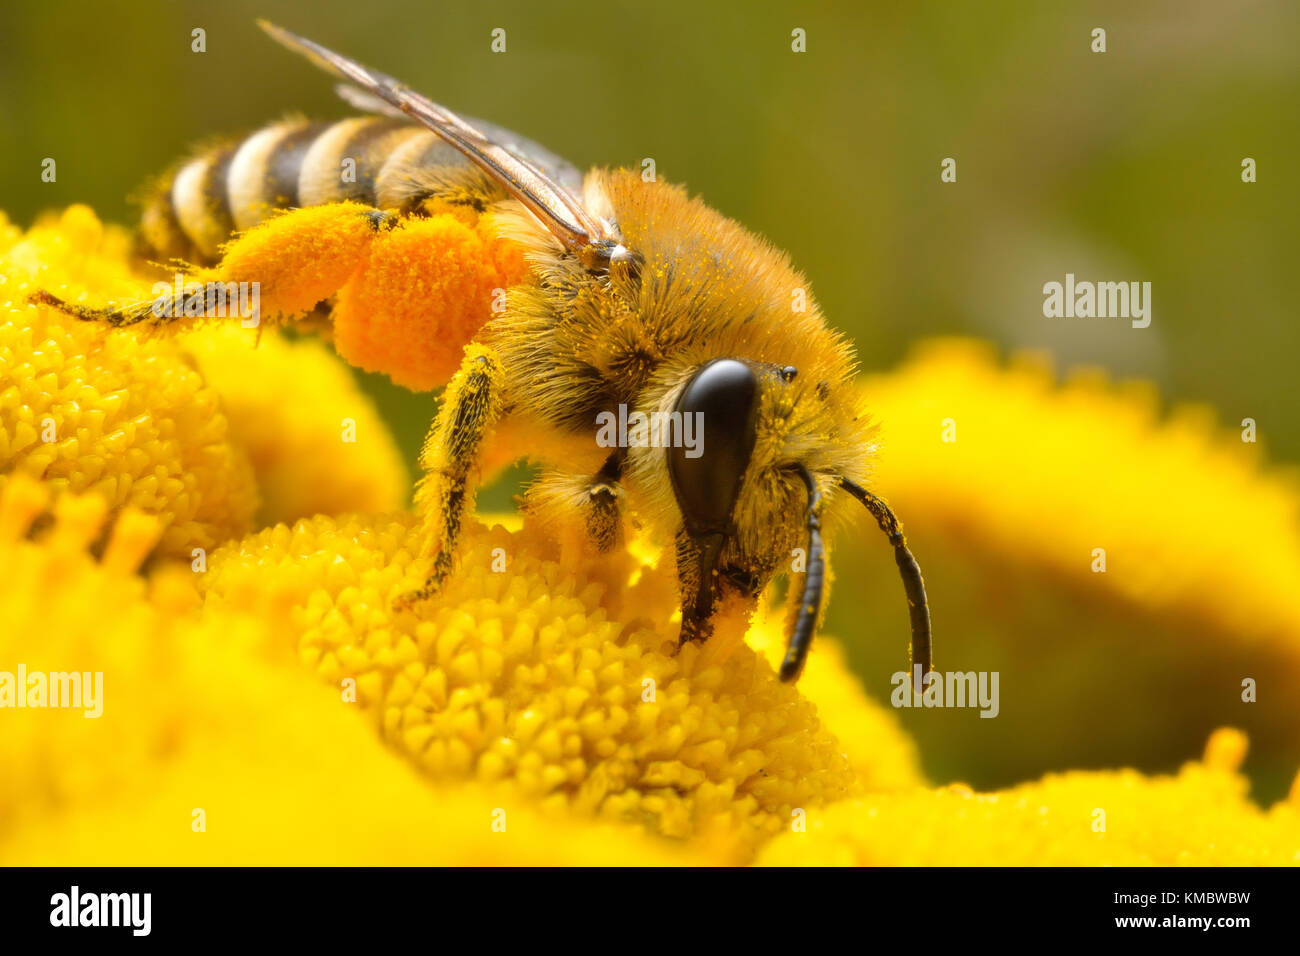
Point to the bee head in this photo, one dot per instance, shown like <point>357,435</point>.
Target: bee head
<point>733,481</point>
<point>733,500</point>
<point>745,506</point>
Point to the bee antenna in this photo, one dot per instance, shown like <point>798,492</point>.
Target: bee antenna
<point>917,607</point>
<point>813,581</point>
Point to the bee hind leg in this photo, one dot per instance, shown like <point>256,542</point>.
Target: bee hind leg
<point>471,405</point>
<point>284,266</point>
<point>117,317</point>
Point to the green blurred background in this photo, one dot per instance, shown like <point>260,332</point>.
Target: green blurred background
<point>1123,165</point>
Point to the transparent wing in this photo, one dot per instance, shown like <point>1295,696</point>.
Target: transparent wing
<point>557,208</point>
<point>521,147</point>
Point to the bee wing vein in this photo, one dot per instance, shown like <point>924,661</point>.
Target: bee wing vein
<point>550,202</point>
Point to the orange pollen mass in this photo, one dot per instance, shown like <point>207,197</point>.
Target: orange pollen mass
<point>425,290</point>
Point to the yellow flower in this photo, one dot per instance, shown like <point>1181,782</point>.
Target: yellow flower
<point>64,612</point>
<point>1200,817</point>
<point>316,442</point>
<point>882,756</point>
<point>541,673</point>
<point>1190,522</point>
<point>128,419</point>
<point>189,429</point>
<point>212,746</point>
<point>1130,573</point>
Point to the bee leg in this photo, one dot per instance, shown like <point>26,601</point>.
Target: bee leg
<point>581,513</point>
<point>471,405</point>
<point>299,258</point>
<point>125,315</point>
<point>697,560</point>
<point>291,262</point>
<point>604,505</point>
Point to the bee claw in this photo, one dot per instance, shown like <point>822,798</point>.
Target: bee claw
<point>430,590</point>
<point>693,630</point>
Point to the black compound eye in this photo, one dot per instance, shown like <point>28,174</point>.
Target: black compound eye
<point>721,400</point>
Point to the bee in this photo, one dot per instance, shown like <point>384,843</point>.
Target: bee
<point>639,304</point>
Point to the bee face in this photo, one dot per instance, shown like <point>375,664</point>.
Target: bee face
<point>723,398</point>
<point>803,427</point>
<point>738,482</point>
<point>734,495</point>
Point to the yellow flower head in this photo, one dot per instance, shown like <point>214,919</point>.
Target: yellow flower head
<point>543,673</point>
<point>1188,519</point>
<point>211,746</point>
<point>130,420</point>
<point>197,430</point>
<point>1129,571</point>
<point>316,443</point>
<point>1200,817</point>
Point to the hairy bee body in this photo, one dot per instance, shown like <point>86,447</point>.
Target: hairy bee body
<point>378,161</point>
<point>576,345</point>
<point>623,298</point>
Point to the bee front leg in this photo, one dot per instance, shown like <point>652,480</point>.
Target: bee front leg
<point>697,575</point>
<point>471,405</point>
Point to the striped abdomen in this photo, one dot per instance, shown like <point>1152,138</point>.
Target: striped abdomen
<point>376,160</point>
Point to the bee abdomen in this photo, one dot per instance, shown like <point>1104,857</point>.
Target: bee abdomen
<point>283,166</point>
<point>379,161</point>
<point>345,161</point>
<point>264,173</point>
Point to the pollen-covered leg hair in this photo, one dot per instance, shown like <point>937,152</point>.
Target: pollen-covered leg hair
<point>697,577</point>
<point>918,609</point>
<point>294,261</point>
<point>303,256</point>
<point>471,405</point>
<point>604,505</point>
<point>583,512</point>
<point>119,316</point>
